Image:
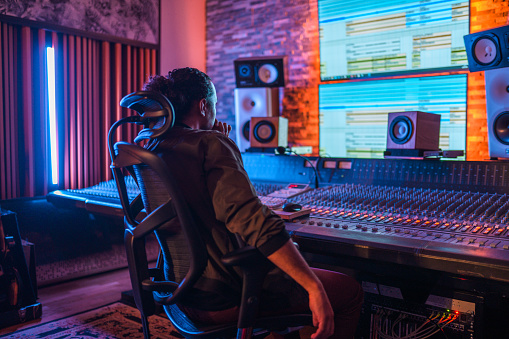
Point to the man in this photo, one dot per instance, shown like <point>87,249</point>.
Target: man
<point>209,169</point>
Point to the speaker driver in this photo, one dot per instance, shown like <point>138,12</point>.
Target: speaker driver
<point>501,127</point>
<point>267,73</point>
<point>264,132</point>
<point>245,129</point>
<point>245,70</point>
<point>485,50</point>
<point>249,104</point>
<point>401,129</point>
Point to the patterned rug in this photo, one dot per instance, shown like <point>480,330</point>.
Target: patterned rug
<point>110,322</point>
<point>86,265</point>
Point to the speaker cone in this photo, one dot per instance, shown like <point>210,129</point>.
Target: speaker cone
<point>245,70</point>
<point>267,73</point>
<point>485,50</point>
<point>245,129</point>
<point>264,131</point>
<point>401,129</point>
<point>249,104</point>
<point>501,128</point>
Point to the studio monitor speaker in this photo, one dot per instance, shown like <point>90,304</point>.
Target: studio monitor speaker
<point>269,132</point>
<point>260,71</point>
<point>253,102</point>
<point>413,130</point>
<point>487,49</point>
<point>497,111</point>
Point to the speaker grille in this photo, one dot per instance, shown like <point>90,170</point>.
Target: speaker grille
<point>485,50</point>
<point>267,74</point>
<point>501,127</point>
<point>401,129</point>
<point>264,131</point>
<point>246,129</point>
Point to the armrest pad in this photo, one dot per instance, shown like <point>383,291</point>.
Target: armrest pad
<point>159,286</point>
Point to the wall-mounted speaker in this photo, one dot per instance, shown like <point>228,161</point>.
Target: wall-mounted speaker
<point>260,71</point>
<point>413,130</point>
<point>488,49</point>
<point>253,102</point>
<point>497,111</point>
<point>269,132</point>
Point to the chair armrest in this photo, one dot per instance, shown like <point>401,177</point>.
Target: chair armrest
<point>254,267</point>
<point>159,286</point>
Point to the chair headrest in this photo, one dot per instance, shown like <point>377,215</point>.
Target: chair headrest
<point>155,109</point>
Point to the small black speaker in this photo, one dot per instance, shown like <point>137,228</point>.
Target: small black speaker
<point>487,49</point>
<point>260,71</point>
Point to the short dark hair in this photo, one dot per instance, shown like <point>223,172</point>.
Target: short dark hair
<point>182,87</point>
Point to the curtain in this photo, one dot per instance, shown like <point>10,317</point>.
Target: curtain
<point>92,76</point>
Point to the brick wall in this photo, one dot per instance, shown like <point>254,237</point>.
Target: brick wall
<point>245,28</point>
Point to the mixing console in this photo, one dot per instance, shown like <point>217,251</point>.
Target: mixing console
<point>445,217</point>
<point>470,218</point>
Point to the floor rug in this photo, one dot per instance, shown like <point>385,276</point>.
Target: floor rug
<point>114,321</point>
<point>86,265</point>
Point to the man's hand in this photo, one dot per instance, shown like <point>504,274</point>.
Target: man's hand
<point>323,315</point>
<point>222,127</point>
<point>292,263</point>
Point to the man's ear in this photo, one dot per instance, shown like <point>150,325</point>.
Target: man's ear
<point>203,106</point>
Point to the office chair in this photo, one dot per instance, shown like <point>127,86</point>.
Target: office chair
<point>159,202</point>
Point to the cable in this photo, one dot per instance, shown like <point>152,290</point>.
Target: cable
<point>428,328</point>
<point>282,151</point>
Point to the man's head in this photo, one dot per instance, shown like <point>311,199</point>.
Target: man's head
<point>191,92</point>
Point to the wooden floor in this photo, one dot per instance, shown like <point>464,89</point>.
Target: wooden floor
<point>68,298</point>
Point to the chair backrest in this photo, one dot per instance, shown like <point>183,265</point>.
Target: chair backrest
<point>162,202</point>
<point>185,254</point>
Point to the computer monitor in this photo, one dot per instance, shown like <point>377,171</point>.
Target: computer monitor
<point>360,39</point>
<point>353,114</point>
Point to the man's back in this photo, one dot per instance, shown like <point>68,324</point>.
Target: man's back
<point>208,168</point>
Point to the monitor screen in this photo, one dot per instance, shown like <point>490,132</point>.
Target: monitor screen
<point>361,39</point>
<point>354,114</point>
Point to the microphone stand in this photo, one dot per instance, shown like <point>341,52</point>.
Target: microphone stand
<point>282,151</point>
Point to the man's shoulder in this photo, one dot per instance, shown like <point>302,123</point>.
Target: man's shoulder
<point>210,138</point>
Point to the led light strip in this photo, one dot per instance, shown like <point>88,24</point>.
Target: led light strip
<point>52,113</point>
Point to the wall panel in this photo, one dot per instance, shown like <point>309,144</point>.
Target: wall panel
<point>90,81</point>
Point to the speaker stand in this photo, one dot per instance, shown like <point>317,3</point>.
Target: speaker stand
<point>261,150</point>
<point>421,154</point>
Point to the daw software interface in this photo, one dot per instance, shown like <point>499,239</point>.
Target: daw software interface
<point>383,37</point>
<point>353,115</point>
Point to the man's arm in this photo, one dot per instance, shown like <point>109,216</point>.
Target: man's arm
<point>288,259</point>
